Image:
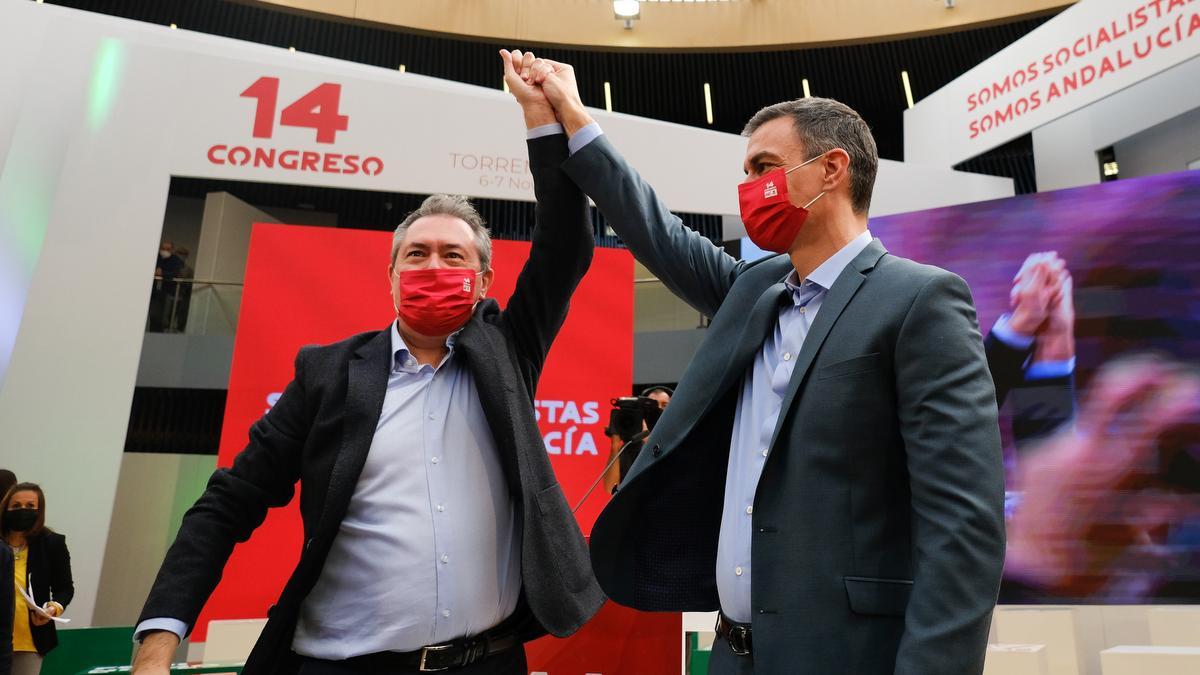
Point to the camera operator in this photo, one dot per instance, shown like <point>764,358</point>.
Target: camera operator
<point>616,471</point>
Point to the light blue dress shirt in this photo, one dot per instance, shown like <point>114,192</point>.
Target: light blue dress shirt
<point>758,409</point>
<point>430,548</point>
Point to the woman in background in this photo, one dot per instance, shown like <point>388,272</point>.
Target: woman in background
<point>42,569</point>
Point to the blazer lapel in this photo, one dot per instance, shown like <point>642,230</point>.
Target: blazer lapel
<point>365,389</point>
<point>760,320</point>
<point>835,302</point>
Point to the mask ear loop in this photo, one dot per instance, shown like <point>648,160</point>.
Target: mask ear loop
<point>804,163</point>
<point>809,161</point>
<point>814,199</point>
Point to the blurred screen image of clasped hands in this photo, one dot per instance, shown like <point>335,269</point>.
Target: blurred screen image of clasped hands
<point>1089,303</point>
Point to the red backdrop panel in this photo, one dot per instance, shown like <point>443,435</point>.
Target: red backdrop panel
<point>307,285</point>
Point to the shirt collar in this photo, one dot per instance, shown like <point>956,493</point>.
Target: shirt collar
<point>402,358</point>
<point>828,272</point>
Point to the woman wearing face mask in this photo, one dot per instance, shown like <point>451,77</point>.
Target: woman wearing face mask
<point>42,569</point>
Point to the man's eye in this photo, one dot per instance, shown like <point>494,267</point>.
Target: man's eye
<point>413,253</point>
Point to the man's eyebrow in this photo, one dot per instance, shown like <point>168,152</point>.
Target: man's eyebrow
<point>759,156</point>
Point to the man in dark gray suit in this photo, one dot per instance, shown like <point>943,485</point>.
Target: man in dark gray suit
<point>858,524</point>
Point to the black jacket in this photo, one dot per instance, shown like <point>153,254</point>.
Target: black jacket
<point>320,430</point>
<point>1039,409</point>
<point>48,578</point>
<point>6,604</point>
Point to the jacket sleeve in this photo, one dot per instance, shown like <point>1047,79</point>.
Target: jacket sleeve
<point>1006,364</point>
<point>62,583</point>
<point>559,257</point>
<point>7,604</point>
<point>948,421</point>
<point>691,266</point>
<point>1039,408</point>
<point>235,502</point>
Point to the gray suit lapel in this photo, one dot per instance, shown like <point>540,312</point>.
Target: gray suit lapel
<point>759,323</point>
<point>365,389</point>
<point>700,396</point>
<point>835,302</point>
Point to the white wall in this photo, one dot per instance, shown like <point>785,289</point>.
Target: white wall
<point>1166,148</point>
<point>1064,151</point>
<point>152,495</point>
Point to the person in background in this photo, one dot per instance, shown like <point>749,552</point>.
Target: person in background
<point>166,268</point>
<point>7,480</point>
<point>185,290</point>
<point>616,471</point>
<point>41,568</point>
<point>7,593</point>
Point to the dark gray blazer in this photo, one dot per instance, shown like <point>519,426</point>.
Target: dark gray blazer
<point>320,430</point>
<point>878,521</point>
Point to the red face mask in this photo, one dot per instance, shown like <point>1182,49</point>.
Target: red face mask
<point>436,302</point>
<point>772,221</point>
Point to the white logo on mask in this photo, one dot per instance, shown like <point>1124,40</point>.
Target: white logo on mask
<point>769,190</point>
<point>466,284</point>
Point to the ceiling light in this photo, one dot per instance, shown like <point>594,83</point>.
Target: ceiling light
<point>627,9</point>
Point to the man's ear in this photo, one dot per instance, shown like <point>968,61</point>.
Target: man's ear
<point>836,167</point>
<point>485,282</point>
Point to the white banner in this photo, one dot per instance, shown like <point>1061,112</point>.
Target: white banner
<point>1091,50</point>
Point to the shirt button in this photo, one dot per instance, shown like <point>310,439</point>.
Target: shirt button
<point>738,571</point>
<point>446,613</point>
<point>804,310</point>
<point>440,508</point>
<point>434,460</point>
<point>766,452</point>
<point>445,559</point>
<point>749,510</point>
<point>432,416</point>
<point>787,356</point>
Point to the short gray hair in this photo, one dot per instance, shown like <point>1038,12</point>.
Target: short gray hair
<point>824,124</point>
<point>457,206</point>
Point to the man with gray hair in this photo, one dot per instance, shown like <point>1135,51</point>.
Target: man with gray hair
<point>436,536</point>
<point>857,526</point>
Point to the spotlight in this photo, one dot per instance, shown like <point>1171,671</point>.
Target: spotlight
<point>627,11</point>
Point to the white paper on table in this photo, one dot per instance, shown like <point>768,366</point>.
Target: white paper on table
<point>34,606</point>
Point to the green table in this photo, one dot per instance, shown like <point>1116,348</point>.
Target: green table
<point>181,668</point>
<point>80,648</point>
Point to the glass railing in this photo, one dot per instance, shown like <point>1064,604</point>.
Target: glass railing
<point>194,306</point>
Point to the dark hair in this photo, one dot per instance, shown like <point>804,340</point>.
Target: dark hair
<point>658,387</point>
<point>7,480</point>
<point>39,526</point>
<point>824,124</point>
